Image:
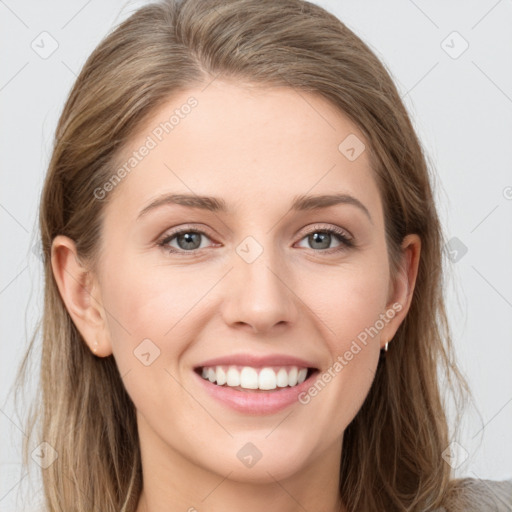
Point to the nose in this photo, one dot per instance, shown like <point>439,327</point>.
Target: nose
<point>259,294</point>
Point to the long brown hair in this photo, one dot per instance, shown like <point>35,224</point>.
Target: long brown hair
<point>392,450</point>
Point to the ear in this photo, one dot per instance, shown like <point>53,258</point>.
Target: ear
<point>402,287</point>
<point>80,292</point>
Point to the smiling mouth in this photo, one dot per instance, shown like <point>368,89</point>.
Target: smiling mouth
<point>251,379</point>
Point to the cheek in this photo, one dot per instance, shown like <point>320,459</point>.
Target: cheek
<point>350,305</point>
<point>146,312</point>
<point>351,299</point>
<point>140,306</point>
<point>153,302</point>
<point>145,298</point>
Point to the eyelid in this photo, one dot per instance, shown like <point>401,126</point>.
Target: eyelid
<point>328,227</point>
<point>186,227</point>
<point>307,230</point>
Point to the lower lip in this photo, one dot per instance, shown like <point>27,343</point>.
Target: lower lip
<point>256,402</point>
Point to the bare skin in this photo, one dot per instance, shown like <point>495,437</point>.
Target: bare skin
<point>256,150</point>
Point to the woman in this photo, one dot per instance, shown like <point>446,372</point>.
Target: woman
<point>243,260</point>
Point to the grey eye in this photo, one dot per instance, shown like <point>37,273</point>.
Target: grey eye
<point>320,240</point>
<point>189,241</point>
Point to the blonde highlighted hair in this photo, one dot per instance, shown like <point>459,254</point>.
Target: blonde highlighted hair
<point>392,449</point>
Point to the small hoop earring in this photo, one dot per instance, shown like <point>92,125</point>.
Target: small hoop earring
<point>95,348</point>
<point>386,346</point>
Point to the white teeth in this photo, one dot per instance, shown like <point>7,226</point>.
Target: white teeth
<point>221,376</point>
<point>252,378</point>
<point>233,377</point>
<point>249,378</point>
<point>292,377</point>
<point>282,378</point>
<point>267,379</point>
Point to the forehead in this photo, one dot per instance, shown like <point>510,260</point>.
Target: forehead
<point>256,147</point>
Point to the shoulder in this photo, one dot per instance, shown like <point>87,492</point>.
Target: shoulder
<point>476,495</point>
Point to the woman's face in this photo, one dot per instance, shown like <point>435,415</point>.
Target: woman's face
<point>256,280</point>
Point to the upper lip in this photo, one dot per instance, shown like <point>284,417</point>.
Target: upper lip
<point>257,361</point>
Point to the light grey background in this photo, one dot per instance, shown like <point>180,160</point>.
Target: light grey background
<point>461,106</point>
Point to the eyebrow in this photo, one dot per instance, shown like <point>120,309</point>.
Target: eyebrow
<point>214,204</point>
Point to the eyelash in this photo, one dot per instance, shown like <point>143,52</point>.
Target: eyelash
<point>346,243</point>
